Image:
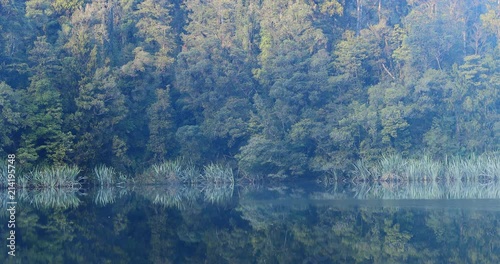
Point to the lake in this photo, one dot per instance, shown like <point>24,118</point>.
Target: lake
<point>295,223</point>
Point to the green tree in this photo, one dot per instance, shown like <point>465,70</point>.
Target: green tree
<point>100,108</point>
<point>43,140</point>
<point>161,138</point>
<point>213,72</point>
<point>10,118</point>
<point>293,73</point>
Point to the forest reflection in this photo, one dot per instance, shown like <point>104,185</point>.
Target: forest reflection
<point>185,195</point>
<point>261,223</point>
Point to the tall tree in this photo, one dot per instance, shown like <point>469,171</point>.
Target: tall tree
<point>293,73</point>
<point>214,70</point>
<point>100,108</point>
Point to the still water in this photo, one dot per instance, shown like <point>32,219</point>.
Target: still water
<point>300,223</point>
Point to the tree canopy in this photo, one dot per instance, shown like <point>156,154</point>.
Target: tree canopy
<point>275,87</point>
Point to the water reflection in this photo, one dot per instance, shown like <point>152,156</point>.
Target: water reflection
<point>259,224</point>
<point>429,190</point>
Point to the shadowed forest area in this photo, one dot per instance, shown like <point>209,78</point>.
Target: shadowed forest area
<point>271,87</point>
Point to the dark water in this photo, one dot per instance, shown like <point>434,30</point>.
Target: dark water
<point>257,224</point>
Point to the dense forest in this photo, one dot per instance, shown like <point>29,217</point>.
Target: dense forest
<point>279,87</point>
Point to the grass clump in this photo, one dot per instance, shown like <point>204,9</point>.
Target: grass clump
<point>475,168</point>
<point>179,172</point>
<point>422,170</point>
<point>171,172</point>
<point>394,168</point>
<point>53,177</point>
<point>107,176</point>
<point>218,174</point>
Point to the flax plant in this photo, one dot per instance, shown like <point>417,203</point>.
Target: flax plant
<point>424,169</point>
<point>218,174</point>
<point>169,170</point>
<point>393,168</point>
<point>107,176</point>
<point>54,177</point>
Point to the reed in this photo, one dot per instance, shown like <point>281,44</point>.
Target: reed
<point>24,180</point>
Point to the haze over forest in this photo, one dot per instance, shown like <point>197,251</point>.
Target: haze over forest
<point>271,86</point>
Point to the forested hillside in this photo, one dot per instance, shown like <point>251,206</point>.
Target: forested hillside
<point>272,86</point>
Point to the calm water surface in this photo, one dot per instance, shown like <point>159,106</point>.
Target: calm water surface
<point>258,224</point>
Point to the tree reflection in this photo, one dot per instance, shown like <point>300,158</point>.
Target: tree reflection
<point>265,224</point>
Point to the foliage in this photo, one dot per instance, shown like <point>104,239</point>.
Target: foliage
<point>281,88</point>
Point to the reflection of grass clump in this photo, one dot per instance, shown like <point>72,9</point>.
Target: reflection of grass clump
<point>427,190</point>
<point>175,195</point>
<point>108,195</point>
<point>61,198</point>
<point>218,194</point>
